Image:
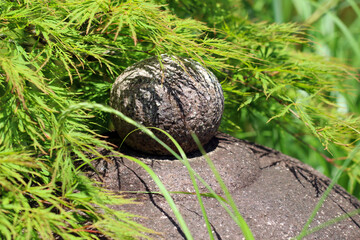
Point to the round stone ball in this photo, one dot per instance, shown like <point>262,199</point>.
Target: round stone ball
<point>175,94</point>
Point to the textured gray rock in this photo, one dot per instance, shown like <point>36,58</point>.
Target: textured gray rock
<point>274,193</point>
<point>179,96</point>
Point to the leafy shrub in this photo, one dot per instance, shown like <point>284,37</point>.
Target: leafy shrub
<point>58,53</point>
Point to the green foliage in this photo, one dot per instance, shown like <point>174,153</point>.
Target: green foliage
<point>56,54</point>
<point>334,32</point>
<point>33,208</point>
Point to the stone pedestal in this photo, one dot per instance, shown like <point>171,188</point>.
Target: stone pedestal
<point>274,193</point>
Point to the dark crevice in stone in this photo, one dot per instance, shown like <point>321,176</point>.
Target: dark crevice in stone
<point>345,212</point>
<point>153,201</point>
<point>118,172</point>
<point>354,201</point>
<point>202,218</point>
<point>271,165</point>
<point>294,172</point>
<point>209,147</point>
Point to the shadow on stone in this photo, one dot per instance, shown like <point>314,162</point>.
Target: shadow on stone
<point>114,139</point>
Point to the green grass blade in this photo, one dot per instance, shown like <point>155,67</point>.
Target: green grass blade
<point>193,180</point>
<point>303,8</point>
<point>241,222</point>
<point>166,195</point>
<point>355,7</point>
<point>278,11</point>
<point>303,232</point>
<point>235,214</point>
<point>212,193</point>
<point>332,222</point>
<point>322,9</point>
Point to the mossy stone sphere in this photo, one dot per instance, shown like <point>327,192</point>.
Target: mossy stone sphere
<point>179,96</point>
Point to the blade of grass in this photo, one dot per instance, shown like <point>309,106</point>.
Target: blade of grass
<point>332,222</point>
<point>320,11</point>
<point>193,180</point>
<point>166,195</point>
<point>185,161</point>
<point>235,214</point>
<point>303,8</point>
<point>278,11</point>
<point>355,7</point>
<point>242,223</point>
<point>212,192</point>
<point>304,231</point>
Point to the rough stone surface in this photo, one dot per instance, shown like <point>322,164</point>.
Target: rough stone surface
<point>274,193</point>
<point>180,97</point>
